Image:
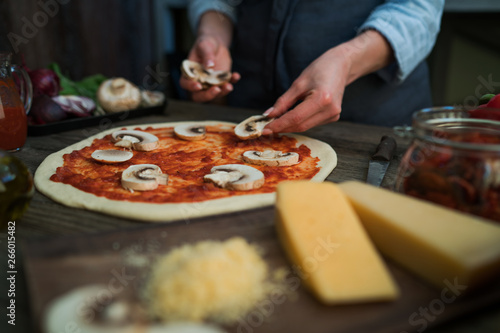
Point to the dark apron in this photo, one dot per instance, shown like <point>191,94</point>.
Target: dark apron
<point>275,40</point>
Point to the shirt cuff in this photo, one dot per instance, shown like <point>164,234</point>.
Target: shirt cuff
<point>411,28</point>
<point>396,71</point>
<point>197,8</point>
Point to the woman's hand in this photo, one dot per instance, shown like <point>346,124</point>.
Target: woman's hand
<point>318,91</point>
<point>211,49</point>
<point>208,51</point>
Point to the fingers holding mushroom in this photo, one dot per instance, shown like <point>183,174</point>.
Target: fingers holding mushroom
<point>137,140</point>
<point>236,177</point>
<point>270,158</point>
<point>252,127</point>
<point>207,77</point>
<point>143,177</point>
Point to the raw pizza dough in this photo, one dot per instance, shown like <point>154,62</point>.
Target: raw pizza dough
<point>164,212</point>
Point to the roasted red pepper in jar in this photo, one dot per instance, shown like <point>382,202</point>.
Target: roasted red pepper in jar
<point>460,179</point>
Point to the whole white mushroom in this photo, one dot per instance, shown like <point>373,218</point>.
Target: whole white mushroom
<point>118,94</point>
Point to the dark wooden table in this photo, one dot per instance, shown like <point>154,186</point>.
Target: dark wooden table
<point>48,229</point>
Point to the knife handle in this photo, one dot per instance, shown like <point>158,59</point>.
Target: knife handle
<point>385,149</point>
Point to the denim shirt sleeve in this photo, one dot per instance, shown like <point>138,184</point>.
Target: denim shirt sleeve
<point>411,27</point>
<point>196,8</point>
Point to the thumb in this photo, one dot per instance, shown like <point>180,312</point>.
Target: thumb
<point>207,48</point>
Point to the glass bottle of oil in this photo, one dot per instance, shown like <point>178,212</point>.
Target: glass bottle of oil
<point>16,188</point>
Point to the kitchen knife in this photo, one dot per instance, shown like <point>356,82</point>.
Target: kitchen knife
<point>380,161</point>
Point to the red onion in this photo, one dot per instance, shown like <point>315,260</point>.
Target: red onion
<point>79,106</point>
<point>45,82</point>
<point>44,110</point>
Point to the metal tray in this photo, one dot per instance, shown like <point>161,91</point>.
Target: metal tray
<point>76,123</point>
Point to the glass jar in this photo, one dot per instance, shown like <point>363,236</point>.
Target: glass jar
<point>453,160</point>
<point>14,104</point>
<point>16,188</point>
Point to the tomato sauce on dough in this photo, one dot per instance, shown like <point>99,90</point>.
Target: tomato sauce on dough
<point>185,162</point>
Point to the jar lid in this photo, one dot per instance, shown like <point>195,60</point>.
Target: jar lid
<point>457,127</point>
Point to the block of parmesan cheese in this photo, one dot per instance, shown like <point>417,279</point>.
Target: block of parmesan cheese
<point>441,245</point>
<point>323,237</point>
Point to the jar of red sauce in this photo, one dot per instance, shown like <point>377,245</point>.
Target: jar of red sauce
<point>14,104</point>
<point>454,159</point>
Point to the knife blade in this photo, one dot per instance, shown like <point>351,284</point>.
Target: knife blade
<point>380,160</point>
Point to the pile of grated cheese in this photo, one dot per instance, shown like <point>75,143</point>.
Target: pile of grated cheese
<point>208,280</point>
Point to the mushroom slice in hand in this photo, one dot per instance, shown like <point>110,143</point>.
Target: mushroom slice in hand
<point>217,78</point>
<point>137,140</point>
<point>191,69</point>
<point>143,177</point>
<point>115,95</point>
<point>252,127</point>
<point>236,177</point>
<point>207,77</point>
<point>190,132</point>
<point>111,156</point>
<point>270,158</point>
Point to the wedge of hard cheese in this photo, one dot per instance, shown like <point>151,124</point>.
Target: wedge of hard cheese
<point>324,238</point>
<point>440,245</point>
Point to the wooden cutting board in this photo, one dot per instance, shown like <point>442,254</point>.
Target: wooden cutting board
<point>55,266</point>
